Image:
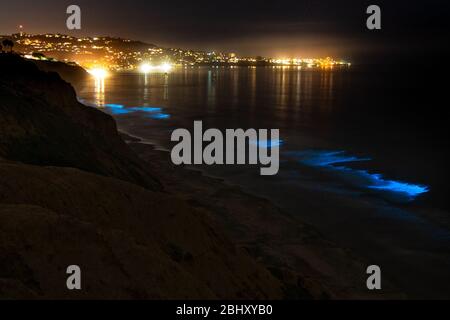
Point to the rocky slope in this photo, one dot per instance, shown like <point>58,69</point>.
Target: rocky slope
<point>70,73</point>
<point>72,192</point>
<point>128,241</point>
<point>42,123</point>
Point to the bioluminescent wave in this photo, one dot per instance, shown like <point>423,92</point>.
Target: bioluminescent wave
<point>147,109</point>
<point>154,112</point>
<point>114,106</point>
<point>326,158</point>
<point>412,190</point>
<point>267,143</point>
<point>357,177</point>
<point>159,116</point>
<point>117,109</point>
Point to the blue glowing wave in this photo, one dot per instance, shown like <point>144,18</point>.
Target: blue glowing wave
<point>327,158</point>
<point>147,109</point>
<point>412,190</point>
<point>267,144</point>
<point>159,116</point>
<point>117,108</point>
<point>360,178</point>
<point>154,112</point>
<point>114,106</point>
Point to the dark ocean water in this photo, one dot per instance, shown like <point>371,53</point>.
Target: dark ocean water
<point>364,151</point>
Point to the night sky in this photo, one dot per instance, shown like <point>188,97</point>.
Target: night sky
<point>275,28</point>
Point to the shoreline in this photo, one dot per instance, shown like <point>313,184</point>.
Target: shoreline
<point>304,260</point>
<point>309,266</point>
<point>73,192</point>
<point>405,230</point>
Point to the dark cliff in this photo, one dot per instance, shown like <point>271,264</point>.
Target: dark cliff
<point>42,123</point>
<point>72,192</point>
<point>70,73</point>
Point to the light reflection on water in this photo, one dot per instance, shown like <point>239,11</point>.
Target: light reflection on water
<point>288,93</point>
<point>244,98</point>
<point>99,91</point>
<point>315,112</point>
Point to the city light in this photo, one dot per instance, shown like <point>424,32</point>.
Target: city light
<point>145,68</point>
<point>111,52</point>
<point>166,67</point>
<point>98,73</point>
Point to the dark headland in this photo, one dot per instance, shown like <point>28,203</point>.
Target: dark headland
<point>73,192</point>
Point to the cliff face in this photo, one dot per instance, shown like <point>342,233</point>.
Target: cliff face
<point>70,73</point>
<point>71,192</point>
<point>128,241</point>
<point>42,123</point>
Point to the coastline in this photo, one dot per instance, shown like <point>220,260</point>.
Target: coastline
<point>395,235</point>
<point>72,192</point>
<point>306,263</point>
<point>300,260</point>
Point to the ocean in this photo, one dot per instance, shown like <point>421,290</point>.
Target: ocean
<point>363,153</point>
